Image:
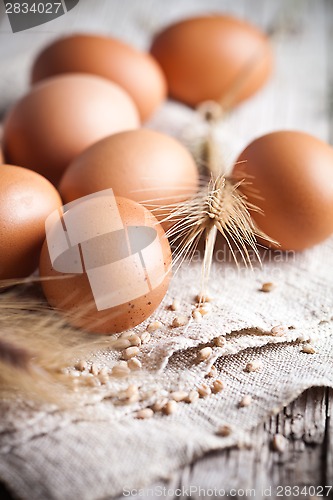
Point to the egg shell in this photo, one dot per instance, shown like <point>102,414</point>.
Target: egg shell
<point>135,71</point>
<point>73,294</point>
<point>62,116</point>
<point>213,57</point>
<point>290,178</point>
<point>141,165</point>
<point>26,200</point>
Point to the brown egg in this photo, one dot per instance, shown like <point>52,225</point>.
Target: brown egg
<point>290,176</point>
<point>213,58</point>
<point>140,164</point>
<point>115,268</point>
<point>26,200</point>
<point>137,72</point>
<point>62,116</point>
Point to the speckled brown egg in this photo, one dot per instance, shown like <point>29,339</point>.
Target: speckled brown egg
<point>135,71</point>
<point>213,57</point>
<point>140,164</point>
<point>26,200</point>
<point>120,273</point>
<point>289,176</point>
<point>62,116</point>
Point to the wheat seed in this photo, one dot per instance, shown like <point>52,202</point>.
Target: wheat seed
<point>145,413</point>
<point>127,335</point>
<point>160,404</point>
<point>178,396</point>
<point>218,386</point>
<point>253,366</point>
<point>202,299</point>
<point>175,306</point>
<point>155,325</point>
<point>278,331</point>
<point>121,343</point>
<point>170,407</point>
<point>197,316</point>
<point>205,353</point>
<point>130,352</point>
<point>309,349</point>
<point>179,321</point>
<point>132,389</point>
<point>145,337</point>
<point>94,369</point>
<point>205,309</point>
<point>219,341</point>
<point>81,365</point>
<point>192,397</point>
<point>267,287</point>
<point>120,371</point>
<point>104,371</point>
<point>204,390</point>
<point>279,443</point>
<point>224,431</point>
<point>104,379</point>
<point>135,340</point>
<point>245,401</point>
<point>134,364</point>
<point>212,372</point>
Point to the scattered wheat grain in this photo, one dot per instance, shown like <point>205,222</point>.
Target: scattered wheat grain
<point>130,352</point>
<point>175,306</point>
<point>192,397</point>
<point>267,287</point>
<point>135,340</point>
<point>245,401</point>
<point>278,331</point>
<point>224,431</point>
<point>159,404</point>
<point>253,366</point>
<point>196,315</point>
<point>94,369</point>
<point>145,413</point>
<point>82,365</point>
<point>120,371</point>
<point>218,386</point>
<point>219,341</point>
<point>170,407</point>
<point>205,353</point>
<point>180,321</point>
<point>178,396</point>
<point>134,364</point>
<point>121,343</point>
<point>155,325</point>
<point>212,372</point>
<point>308,349</point>
<point>204,390</point>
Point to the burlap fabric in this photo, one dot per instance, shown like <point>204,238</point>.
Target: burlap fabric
<point>98,448</point>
